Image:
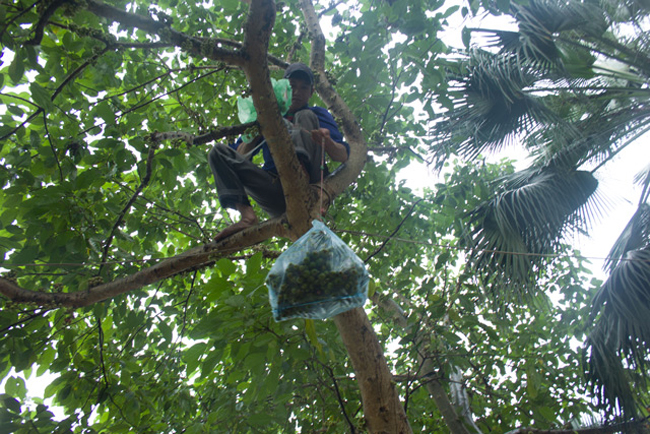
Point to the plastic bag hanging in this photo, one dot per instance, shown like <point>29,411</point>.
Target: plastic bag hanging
<point>318,277</point>
<point>246,110</point>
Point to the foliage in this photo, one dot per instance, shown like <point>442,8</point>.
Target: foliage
<point>88,196</point>
<point>571,84</point>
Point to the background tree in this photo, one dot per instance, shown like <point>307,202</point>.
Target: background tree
<point>571,83</point>
<point>114,287</point>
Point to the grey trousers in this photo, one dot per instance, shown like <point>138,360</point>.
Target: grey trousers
<point>237,178</point>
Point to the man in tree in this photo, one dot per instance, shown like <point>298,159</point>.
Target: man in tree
<point>237,177</point>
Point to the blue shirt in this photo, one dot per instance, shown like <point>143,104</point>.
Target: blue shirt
<point>325,119</point>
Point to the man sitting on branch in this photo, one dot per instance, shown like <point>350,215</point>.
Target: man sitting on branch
<point>237,177</point>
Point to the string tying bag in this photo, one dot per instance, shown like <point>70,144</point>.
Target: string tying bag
<point>317,277</point>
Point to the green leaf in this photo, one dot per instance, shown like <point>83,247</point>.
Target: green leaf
<point>466,35</point>
<point>372,286</point>
<point>10,403</point>
<point>310,329</point>
<point>532,381</point>
<point>235,301</point>
<point>226,267</point>
<point>230,6</point>
<point>132,408</point>
<point>41,96</point>
<point>16,69</point>
<point>259,419</point>
<point>192,356</point>
<point>15,386</point>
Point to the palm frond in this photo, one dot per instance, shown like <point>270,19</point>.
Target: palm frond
<point>609,380</point>
<point>628,10</point>
<point>494,107</point>
<point>643,179</point>
<point>513,232</point>
<point>600,132</point>
<point>636,235</point>
<point>554,16</point>
<point>622,333</point>
<point>624,303</point>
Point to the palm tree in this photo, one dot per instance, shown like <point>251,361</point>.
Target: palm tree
<point>572,85</point>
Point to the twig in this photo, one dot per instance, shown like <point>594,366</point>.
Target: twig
<point>23,12</point>
<point>120,219</point>
<point>330,371</point>
<point>49,139</point>
<point>399,226</point>
<point>100,333</point>
<point>19,98</point>
<point>58,90</point>
<point>157,205</point>
<point>128,341</point>
<point>397,148</point>
<point>210,136</point>
<point>187,301</point>
<point>295,46</point>
<point>78,70</point>
<point>22,321</point>
<point>42,21</point>
<point>29,119</point>
<point>385,117</point>
<point>139,106</point>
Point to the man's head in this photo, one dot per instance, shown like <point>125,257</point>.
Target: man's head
<point>302,84</point>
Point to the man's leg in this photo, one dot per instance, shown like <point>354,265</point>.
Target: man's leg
<point>247,219</point>
<point>304,122</point>
<point>235,178</point>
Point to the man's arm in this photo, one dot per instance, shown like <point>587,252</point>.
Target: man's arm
<point>329,136</point>
<point>336,151</point>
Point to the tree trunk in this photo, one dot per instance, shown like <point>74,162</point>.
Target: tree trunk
<point>381,406</point>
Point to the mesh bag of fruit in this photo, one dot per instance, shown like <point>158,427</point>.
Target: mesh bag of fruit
<point>318,277</point>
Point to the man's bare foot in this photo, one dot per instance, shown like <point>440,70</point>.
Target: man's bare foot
<point>248,219</point>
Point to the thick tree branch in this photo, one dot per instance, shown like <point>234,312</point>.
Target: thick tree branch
<point>42,21</point>
<point>190,139</point>
<point>382,408</point>
<point>190,260</point>
<point>197,47</point>
<point>294,183</point>
<point>342,178</point>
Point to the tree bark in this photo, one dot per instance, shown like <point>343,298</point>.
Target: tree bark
<point>382,409</point>
<point>295,185</point>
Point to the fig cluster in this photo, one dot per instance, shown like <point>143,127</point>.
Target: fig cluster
<point>307,285</point>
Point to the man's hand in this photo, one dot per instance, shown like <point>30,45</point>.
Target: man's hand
<point>245,148</point>
<point>336,151</point>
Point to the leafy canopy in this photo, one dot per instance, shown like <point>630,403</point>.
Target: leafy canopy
<point>89,197</point>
